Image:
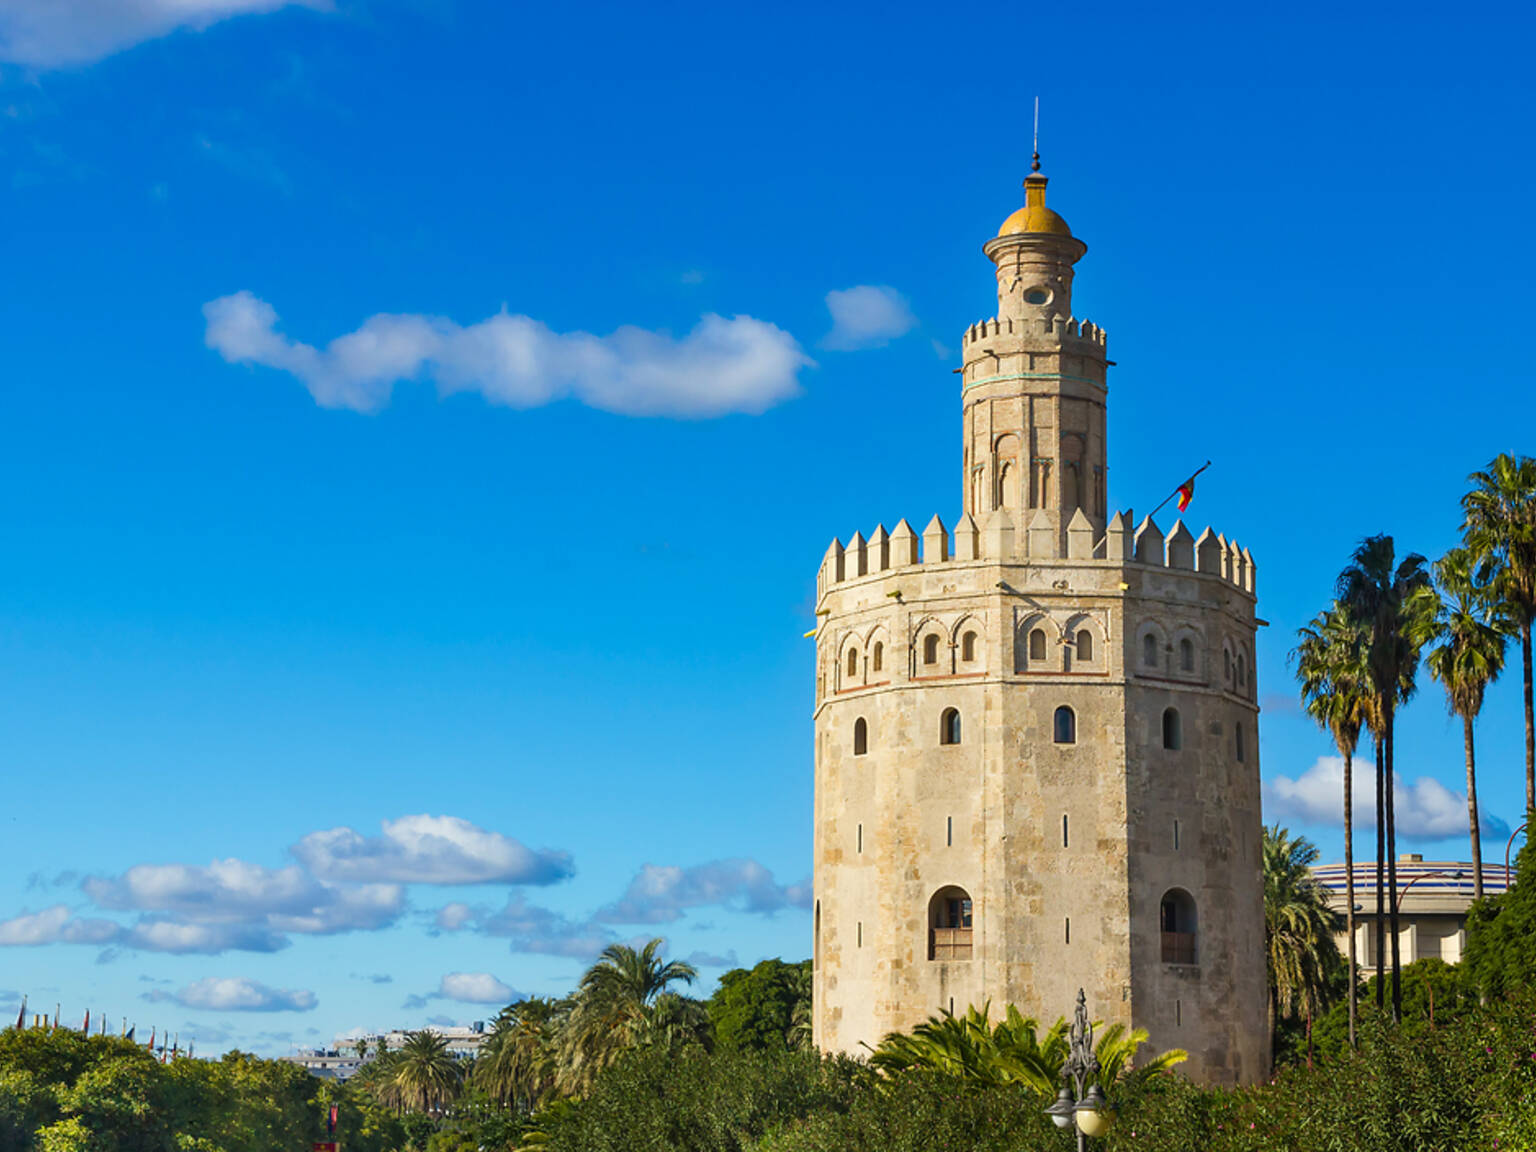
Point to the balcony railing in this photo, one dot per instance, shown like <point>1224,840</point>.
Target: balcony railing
<point>1178,948</point>
<point>949,944</point>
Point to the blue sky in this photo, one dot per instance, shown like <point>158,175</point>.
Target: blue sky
<point>346,684</point>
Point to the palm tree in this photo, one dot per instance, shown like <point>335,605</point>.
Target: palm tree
<point>616,1009</point>
<point>1499,527</point>
<point>1377,590</point>
<point>970,1048</point>
<point>426,1075</point>
<point>1330,663</point>
<point>798,1038</point>
<point>1469,627</point>
<point>516,1066</point>
<point>1298,929</point>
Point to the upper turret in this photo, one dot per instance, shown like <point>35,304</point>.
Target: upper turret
<point>1034,252</point>
<point>1033,380</point>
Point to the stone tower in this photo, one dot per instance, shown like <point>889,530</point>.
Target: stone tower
<point>1036,735</point>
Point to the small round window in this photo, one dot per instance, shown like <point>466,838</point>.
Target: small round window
<point>1036,296</point>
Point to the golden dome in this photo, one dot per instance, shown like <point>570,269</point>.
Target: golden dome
<point>1034,216</point>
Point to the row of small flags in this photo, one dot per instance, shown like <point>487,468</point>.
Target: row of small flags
<point>166,1052</point>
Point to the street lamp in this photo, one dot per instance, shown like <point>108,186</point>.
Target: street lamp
<point>1457,875</point>
<point>1081,1100</point>
<point>1507,847</point>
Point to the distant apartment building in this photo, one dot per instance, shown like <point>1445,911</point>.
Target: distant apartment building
<point>1432,896</point>
<point>341,1060</point>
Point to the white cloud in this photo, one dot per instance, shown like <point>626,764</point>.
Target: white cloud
<point>56,33</point>
<point>428,850</point>
<point>159,934</point>
<point>541,931</point>
<point>475,988</point>
<point>723,365</point>
<point>237,994</point>
<point>867,316</point>
<point>1423,807</point>
<point>452,917</point>
<point>659,893</point>
<point>55,925</point>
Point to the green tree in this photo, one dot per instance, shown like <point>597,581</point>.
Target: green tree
<point>1466,626</point>
<point>1330,663</point>
<point>615,1009</point>
<point>971,1048</point>
<point>1298,929</point>
<point>516,1066</point>
<point>755,1008</point>
<point>426,1076</point>
<point>1499,528</point>
<point>1500,958</point>
<point>1378,590</point>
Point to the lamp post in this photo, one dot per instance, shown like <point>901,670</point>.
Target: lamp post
<point>1081,1100</point>
<point>1429,986</point>
<point>1507,847</point>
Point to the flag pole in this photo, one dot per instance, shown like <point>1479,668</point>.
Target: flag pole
<point>1179,489</point>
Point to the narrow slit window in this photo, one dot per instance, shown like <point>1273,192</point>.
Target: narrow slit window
<point>853,663</point>
<point>1085,646</point>
<point>968,647</point>
<point>1175,835</point>
<point>1187,655</point>
<point>861,838</point>
<point>930,650</point>
<point>1149,650</point>
<point>1178,1013</point>
<point>949,831</point>
<point>860,736</point>
<point>877,658</point>
<point>861,934</point>
<point>1173,730</point>
<point>1069,930</point>
<point>1064,830</point>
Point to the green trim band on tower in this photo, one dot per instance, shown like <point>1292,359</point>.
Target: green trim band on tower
<point>1030,376</point>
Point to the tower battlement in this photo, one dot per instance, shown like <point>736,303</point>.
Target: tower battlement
<point>1051,327</point>
<point>881,551</point>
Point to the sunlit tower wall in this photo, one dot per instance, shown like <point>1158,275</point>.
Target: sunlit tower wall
<point>1036,747</point>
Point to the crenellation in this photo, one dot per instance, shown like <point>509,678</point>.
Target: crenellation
<point>904,545</point>
<point>879,549</point>
<point>856,562</point>
<point>1149,543</point>
<point>967,539</point>
<point>935,542</point>
<point>1209,550</point>
<point>1179,549</point>
<point>998,542</point>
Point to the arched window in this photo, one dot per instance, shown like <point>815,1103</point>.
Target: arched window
<point>1085,646</point>
<point>1173,730</point>
<point>877,658</point>
<point>860,736</point>
<point>853,663</point>
<point>1178,924</point>
<point>1065,726</point>
<point>1226,663</point>
<point>1149,650</point>
<point>1187,654</point>
<point>930,649</point>
<point>950,924</point>
<point>1037,646</point>
<point>1238,741</point>
<point>1242,669</point>
<point>949,727</point>
<point>968,647</point>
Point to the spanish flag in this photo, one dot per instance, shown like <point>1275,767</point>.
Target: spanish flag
<point>1186,493</point>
